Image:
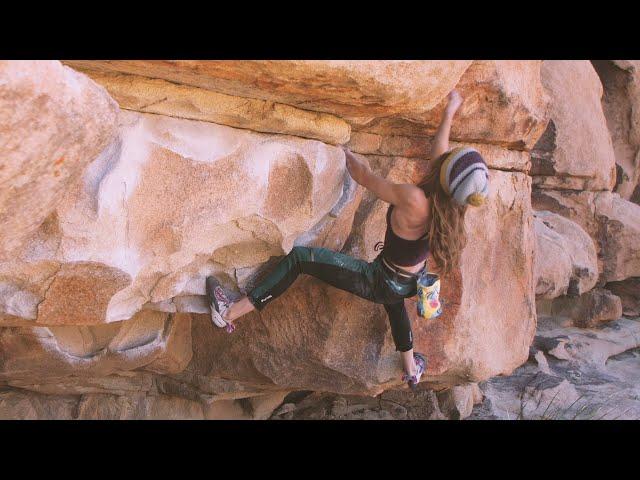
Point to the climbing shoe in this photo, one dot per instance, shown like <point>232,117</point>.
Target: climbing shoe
<point>421,366</point>
<point>219,303</point>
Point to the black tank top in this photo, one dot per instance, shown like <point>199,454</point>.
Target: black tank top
<point>401,251</point>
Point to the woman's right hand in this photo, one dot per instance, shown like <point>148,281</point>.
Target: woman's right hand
<point>454,100</point>
<point>356,167</point>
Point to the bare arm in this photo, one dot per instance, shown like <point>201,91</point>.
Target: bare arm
<point>440,142</point>
<point>396,194</point>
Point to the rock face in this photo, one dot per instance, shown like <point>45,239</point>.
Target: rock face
<point>222,168</point>
<point>621,81</point>
<point>344,88</point>
<point>164,98</point>
<point>455,403</point>
<point>565,260</point>
<point>153,341</point>
<point>612,222</point>
<point>169,202</point>
<point>53,122</point>
<point>576,151</point>
<point>505,105</point>
<point>588,310</point>
<point>629,292</point>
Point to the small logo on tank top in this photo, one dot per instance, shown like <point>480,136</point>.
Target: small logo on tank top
<point>266,298</point>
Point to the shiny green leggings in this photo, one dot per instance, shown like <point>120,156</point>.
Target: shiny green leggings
<point>368,280</point>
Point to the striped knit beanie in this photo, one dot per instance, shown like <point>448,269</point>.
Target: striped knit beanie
<point>464,175</point>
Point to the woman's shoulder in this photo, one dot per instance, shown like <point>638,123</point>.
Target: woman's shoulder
<point>416,201</point>
<point>419,197</point>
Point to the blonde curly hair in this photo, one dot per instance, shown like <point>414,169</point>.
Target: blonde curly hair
<point>447,234</point>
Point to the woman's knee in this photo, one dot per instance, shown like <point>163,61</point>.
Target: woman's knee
<point>298,253</point>
<point>302,254</point>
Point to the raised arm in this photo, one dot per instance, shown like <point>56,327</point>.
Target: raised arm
<point>400,195</point>
<point>440,143</point>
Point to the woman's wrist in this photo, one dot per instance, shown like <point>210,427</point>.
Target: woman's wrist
<point>450,111</point>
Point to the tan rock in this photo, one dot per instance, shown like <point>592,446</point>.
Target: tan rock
<point>264,405</point>
<point>155,340</point>
<point>401,146</point>
<point>505,104</point>
<point>106,407</point>
<point>22,287</point>
<point>177,346</point>
<point>419,148</point>
<point>54,121</point>
<point>365,143</point>
<point>253,408</point>
<point>194,383</point>
<point>565,261</point>
<point>612,222</point>
<point>620,236</point>
<point>456,403</point>
<point>589,309</point>
<point>579,207</point>
<point>17,405</point>
<point>576,151</point>
<point>134,92</point>
<point>342,87</point>
<point>225,410</point>
<point>80,293</point>
<point>120,383</point>
<point>159,206</point>
<point>620,103</point>
<point>164,407</point>
<point>629,292</point>
<point>138,407</point>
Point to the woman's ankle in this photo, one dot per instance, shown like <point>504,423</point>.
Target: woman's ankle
<point>227,315</point>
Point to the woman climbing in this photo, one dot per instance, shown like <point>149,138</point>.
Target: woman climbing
<point>423,217</point>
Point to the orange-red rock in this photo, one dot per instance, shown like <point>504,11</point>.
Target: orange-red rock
<point>79,294</point>
<point>343,87</point>
<point>505,104</point>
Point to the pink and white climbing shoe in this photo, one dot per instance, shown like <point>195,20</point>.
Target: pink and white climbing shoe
<point>219,303</point>
<point>421,366</point>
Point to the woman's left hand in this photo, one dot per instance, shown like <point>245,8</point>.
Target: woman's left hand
<point>358,169</point>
